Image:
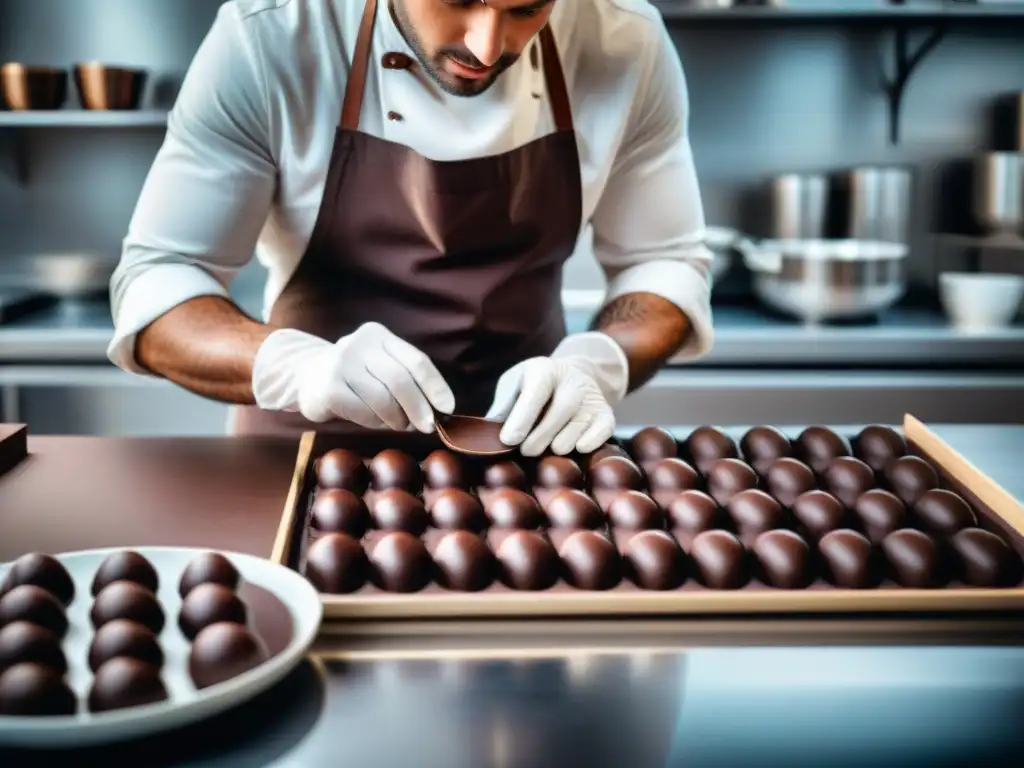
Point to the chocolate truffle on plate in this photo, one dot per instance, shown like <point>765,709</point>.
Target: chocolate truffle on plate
<point>719,560</point>
<point>910,477</point>
<point>336,510</point>
<point>392,468</point>
<point>652,444</point>
<point>606,450</point>
<point>693,512</point>
<point>915,560</point>
<point>527,561</point>
<point>208,604</point>
<point>880,513</point>
<point>590,561</point>
<point>877,445</point>
<point>125,566</point>
<point>125,682</point>
<point>727,477</point>
<point>784,559</point>
<point>127,600</point>
<point>818,513</point>
<point>763,446</point>
<point>401,563</point>
<point>224,651</point>
<point>635,511</point>
<point>444,469</point>
<point>818,446</point>
<point>512,508</point>
<point>706,445</point>
<point>984,559</point>
<point>616,473</point>
<point>788,478</point>
<point>398,510</point>
<point>673,475</point>
<point>943,512</point>
<point>506,474</point>
<point>343,469</point>
<point>35,690</point>
<point>755,512</point>
<point>209,568</point>
<point>31,603</point>
<point>847,478</point>
<point>456,509</point>
<point>24,642</point>
<point>849,559</point>
<point>40,570</point>
<point>655,561</point>
<point>124,638</point>
<point>559,472</point>
<point>464,563</point>
<point>337,564</point>
<point>570,508</point>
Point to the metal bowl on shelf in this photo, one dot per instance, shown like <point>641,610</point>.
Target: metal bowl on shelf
<point>102,87</point>
<point>26,88</point>
<point>70,275</point>
<point>998,192</point>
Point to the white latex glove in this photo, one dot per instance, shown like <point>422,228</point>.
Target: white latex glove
<point>370,377</point>
<point>586,375</point>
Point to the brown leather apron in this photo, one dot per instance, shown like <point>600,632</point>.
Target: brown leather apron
<point>463,259</point>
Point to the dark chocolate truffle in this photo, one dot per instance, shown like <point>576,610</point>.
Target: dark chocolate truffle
<point>398,510</point>
<point>443,469</point>
<point>880,514</point>
<point>224,651</point>
<point>528,561</point>
<point>706,445</point>
<point>609,449</point>
<point>125,682</point>
<point>339,511</point>
<point>127,600</point>
<point>877,445</point>
<point>784,559</point>
<point>652,444</point>
<point>401,563</point>
<point>208,604</point>
<point>35,690</point>
<point>344,470</point>
<point>570,508</point>
<point>23,642</point>
<point>464,563</point>
<point>727,477</point>
<point>617,474</point>
<point>755,512</point>
<point>915,560</point>
<point>849,559</point>
<point>590,561</point>
<point>337,564</point>
<point>125,638</point>
<point>209,568</point>
<point>943,512</point>
<point>456,509</point>
<point>984,560</point>
<point>635,511</point>
<point>512,508</point>
<point>818,446</point>
<point>392,468</point>
<point>506,474</point>
<point>763,446</point>
<point>847,478</point>
<point>34,604</point>
<point>910,477</point>
<point>719,560</point>
<point>818,513</point>
<point>673,475</point>
<point>655,561</point>
<point>43,571</point>
<point>125,566</point>
<point>788,478</point>
<point>559,472</point>
<point>693,512</point>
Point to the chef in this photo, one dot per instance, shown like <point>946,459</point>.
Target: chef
<point>413,175</point>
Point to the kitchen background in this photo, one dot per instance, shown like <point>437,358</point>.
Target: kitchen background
<point>792,132</point>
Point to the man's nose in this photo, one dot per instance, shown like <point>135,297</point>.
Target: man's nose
<point>483,38</point>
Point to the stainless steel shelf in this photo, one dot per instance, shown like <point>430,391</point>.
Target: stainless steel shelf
<point>81,118</point>
<point>882,12</point>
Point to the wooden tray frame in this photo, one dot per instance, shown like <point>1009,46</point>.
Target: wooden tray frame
<point>1006,513</point>
<point>13,446</point>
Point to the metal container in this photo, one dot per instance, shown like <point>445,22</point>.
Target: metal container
<point>998,192</point>
<point>24,88</point>
<point>874,203</point>
<point>109,88</point>
<point>69,275</point>
<point>799,206</point>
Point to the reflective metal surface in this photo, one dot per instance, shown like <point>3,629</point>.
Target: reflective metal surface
<point>999,192</point>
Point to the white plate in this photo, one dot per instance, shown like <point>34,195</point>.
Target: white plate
<point>185,704</point>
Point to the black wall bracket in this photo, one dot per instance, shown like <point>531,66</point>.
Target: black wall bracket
<point>906,60</point>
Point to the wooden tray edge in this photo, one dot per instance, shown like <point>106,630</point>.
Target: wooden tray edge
<point>13,446</point>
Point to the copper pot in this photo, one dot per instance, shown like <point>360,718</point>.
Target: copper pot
<point>109,88</point>
<point>24,88</point>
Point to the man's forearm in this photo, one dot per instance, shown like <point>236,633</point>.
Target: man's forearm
<point>649,329</point>
<point>206,345</point>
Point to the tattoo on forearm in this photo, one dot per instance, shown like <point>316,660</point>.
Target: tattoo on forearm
<point>625,309</point>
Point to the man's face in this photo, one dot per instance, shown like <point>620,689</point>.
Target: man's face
<point>465,45</point>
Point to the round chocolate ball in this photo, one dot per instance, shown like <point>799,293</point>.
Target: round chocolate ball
<point>570,508</point>
<point>606,450</point>
<point>984,559</point>
<point>784,559</point>
<point>559,472</point>
<point>336,510</point>
<point>208,604</point>
<point>673,475</point>
<point>122,638</point>
<point>727,477</point>
<point>652,444</point>
<point>847,478</point>
<point>527,561</point>
<point>443,469</point>
<point>655,561</point>
<point>706,445</point>
<point>400,563</point>
<point>880,513</point>
<point>455,509</point>
<point>616,473</point>
<point>763,446</point>
<point>943,512</point>
<point>43,571</point>
<point>910,477</point>
<point>34,604</point>
<point>224,651</point>
<point>337,564</point>
<point>127,600</point>
<point>755,512</point>
<point>877,445</point>
<point>512,508</point>
<point>125,566</point>
<point>849,559</point>
<point>23,642</point>
<point>590,561</point>
<point>818,446</point>
<point>789,478</point>
<point>209,568</point>
<point>818,513</point>
<point>719,560</point>
<point>344,470</point>
<point>125,682</point>
<point>635,511</point>
<point>464,563</point>
<point>392,468</point>
<point>506,474</point>
<point>35,690</point>
<point>693,512</point>
<point>915,561</point>
<point>398,510</point>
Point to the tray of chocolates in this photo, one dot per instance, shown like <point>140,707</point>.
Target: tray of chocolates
<point>112,644</point>
<point>393,526</point>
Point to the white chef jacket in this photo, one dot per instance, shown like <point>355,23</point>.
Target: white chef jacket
<point>243,165</point>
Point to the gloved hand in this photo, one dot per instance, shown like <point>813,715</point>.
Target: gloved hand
<point>586,375</point>
<point>370,377</point>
